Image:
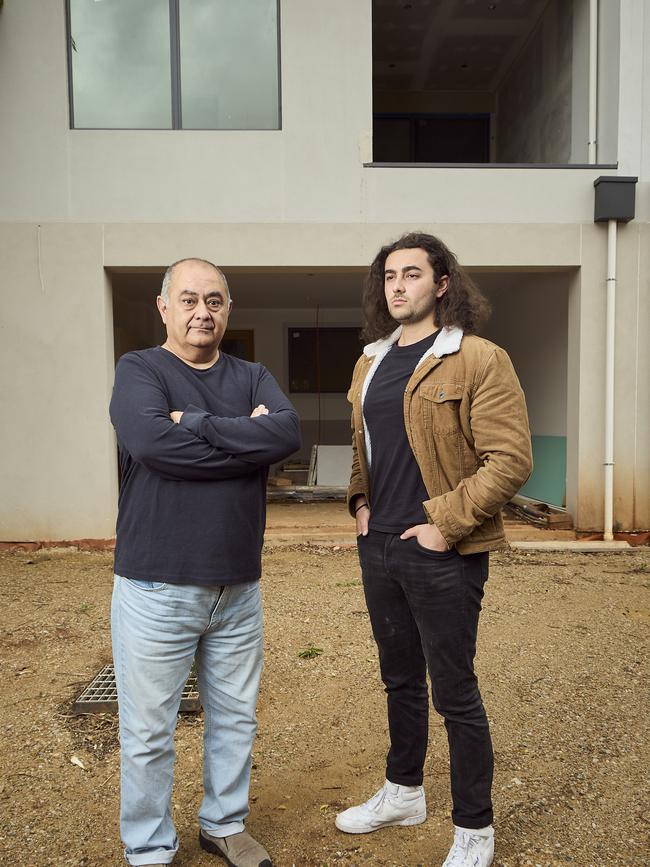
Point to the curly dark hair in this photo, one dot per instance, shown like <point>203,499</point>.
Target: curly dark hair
<point>462,305</point>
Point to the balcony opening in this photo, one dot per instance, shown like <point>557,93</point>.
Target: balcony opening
<point>489,81</point>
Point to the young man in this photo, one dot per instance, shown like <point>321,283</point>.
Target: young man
<point>196,430</point>
<point>441,443</point>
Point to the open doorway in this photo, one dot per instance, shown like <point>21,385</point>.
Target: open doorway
<point>137,323</point>
<point>273,305</point>
<point>303,325</point>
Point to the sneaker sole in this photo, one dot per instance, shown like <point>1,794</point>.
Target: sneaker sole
<point>213,849</point>
<point>412,820</point>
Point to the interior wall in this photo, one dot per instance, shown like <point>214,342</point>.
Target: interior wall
<point>608,79</point>
<point>136,321</point>
<point>579,118</point>
<point>530,321</point>
<point>433,101</point>
<point>329,413</point>
<point>324,419</point>
<point>534,108</point>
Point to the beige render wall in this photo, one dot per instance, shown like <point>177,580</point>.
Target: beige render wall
<point>641,490</point>
<point>299,196</point>
<point>58,453</point>
<point>309,171</point>
<point>632,435</point>
<point>57,363</point>
<point>586,385</point>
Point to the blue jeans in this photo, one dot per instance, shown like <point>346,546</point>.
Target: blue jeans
<point>424,609</point>
<point>157,630</point>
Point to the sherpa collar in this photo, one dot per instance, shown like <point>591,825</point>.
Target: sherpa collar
<point>446,342</point>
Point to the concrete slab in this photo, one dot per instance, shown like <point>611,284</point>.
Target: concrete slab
<point>329,522</point>
<point>577,545</point>
<point>329,540</point>
<point>522,532</point>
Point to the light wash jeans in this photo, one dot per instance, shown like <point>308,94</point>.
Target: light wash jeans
<point>157,630</point>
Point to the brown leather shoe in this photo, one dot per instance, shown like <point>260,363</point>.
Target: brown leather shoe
<point>238,850</point>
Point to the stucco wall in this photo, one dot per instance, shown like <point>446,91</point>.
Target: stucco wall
<point>309,171</point>
<point>56,351</point>
<point>300,196</point>
<point>59,468</point>
<point>586,385</point>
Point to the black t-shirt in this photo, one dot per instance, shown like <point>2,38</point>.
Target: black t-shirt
<point>396,487</point>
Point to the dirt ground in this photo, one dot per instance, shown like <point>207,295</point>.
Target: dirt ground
<point>564,672</point>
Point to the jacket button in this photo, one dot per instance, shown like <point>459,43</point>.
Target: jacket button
<point>442,394</point>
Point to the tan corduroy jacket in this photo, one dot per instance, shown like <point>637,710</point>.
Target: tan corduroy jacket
<point>466,421</point>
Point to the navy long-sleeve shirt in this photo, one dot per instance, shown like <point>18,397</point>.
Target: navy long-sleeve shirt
<point>192,502</point>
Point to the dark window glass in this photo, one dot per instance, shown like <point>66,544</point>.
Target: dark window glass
<point>322,359</point>
<point>392,140</point>
<point>431,138</point>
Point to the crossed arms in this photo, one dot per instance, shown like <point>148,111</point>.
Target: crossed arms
<point>202,447</point>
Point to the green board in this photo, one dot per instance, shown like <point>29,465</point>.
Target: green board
<point>548,479</point>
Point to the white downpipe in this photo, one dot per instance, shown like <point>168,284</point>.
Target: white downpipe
<point>608,534</point>
<point>592,150</point>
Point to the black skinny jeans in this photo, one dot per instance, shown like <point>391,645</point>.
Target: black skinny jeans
<point>424,608</point>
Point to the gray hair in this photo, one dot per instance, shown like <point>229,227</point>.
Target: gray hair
<point>167,278</point>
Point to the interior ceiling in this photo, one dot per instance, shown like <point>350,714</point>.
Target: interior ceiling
<point>273,288</point>
<point>433,45</point>
<point>298,288</point>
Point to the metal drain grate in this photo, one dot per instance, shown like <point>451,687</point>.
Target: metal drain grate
<point>100,696</point>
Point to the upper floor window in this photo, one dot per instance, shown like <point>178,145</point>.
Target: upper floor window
<point>174,64</point>
<point>504,82</point>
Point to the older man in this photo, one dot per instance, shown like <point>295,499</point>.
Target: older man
<point>197,430</point>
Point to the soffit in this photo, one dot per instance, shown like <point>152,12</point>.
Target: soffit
<point>433,45</point>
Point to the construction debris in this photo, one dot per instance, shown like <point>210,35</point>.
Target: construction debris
<point>541,514</point>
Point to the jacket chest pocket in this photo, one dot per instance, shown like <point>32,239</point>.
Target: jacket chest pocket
<point>440,404</point>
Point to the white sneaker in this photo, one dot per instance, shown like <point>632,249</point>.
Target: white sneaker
<point>391,805</point>
<point>471,848</point>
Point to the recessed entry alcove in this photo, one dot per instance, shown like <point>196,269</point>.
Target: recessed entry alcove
<point>318,311</point>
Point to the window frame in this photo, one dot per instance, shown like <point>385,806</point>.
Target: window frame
<point>175,80</point>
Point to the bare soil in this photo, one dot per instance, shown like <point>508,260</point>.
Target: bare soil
<point>564,672</point>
